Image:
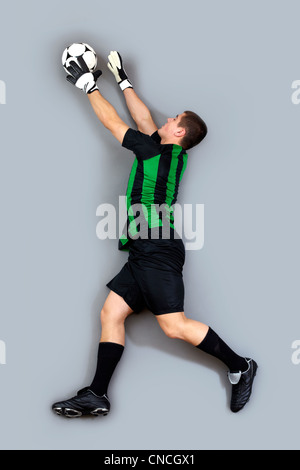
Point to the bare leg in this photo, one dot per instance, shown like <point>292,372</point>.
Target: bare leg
<point>177,325</point>
<point>113,315</point>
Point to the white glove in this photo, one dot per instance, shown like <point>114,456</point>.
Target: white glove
<point>81,77</point>
<point>115,65</point>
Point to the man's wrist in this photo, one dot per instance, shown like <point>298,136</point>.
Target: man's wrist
<point>94,88</point>
<point>125,84</point>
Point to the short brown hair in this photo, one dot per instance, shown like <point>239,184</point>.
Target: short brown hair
<point>195,129</point>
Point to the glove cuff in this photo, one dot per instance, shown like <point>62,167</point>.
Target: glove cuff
<point>125,84</point>
<point>94,88</point>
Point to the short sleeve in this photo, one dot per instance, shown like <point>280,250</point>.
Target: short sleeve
<point>143,145</point>
<point>156,137</point>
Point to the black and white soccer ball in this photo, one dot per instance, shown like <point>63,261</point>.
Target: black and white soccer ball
<point>79,49</point>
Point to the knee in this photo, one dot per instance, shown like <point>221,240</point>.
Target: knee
<point>108,316</point>
<point>171,332</point>
<point>104,315</point>
<point>174,330</point>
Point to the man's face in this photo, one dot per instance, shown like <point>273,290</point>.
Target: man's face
<point>171,129</point>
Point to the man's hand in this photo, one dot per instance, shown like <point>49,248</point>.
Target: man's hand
<point>115,65</point>
<point>82,77</point>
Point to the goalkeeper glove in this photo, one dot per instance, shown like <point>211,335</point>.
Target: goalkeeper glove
<point>82,77</point>
<point>115,65</point>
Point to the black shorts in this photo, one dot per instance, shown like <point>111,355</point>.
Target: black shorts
<point>152,277</point>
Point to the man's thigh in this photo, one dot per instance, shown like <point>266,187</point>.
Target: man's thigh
<point>125,286</point>
<point>171,321</point>
<point>116,307</point>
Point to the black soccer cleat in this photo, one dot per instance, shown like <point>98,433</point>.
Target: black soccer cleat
<point>84,403</point>
<point>242,386</point>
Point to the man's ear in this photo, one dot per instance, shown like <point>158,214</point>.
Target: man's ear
<point>180,132</point>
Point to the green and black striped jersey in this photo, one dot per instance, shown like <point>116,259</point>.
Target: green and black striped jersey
<point>152,187</point>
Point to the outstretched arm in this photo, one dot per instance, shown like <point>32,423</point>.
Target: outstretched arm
<point>107,114</point>
<point>82,78</point>
<point>138,110</point>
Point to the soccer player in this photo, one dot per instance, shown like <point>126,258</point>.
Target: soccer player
<point>152,276</point>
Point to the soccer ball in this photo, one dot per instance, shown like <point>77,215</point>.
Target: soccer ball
<point>80,50</point>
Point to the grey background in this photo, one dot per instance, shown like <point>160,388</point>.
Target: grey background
<point>232,62</point>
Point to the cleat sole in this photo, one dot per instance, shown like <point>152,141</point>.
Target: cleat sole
<point>72,413</point>
<point>99,412</point>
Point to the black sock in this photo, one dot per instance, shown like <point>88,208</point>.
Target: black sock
<point>109,355</point>
<point>214,345</point>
